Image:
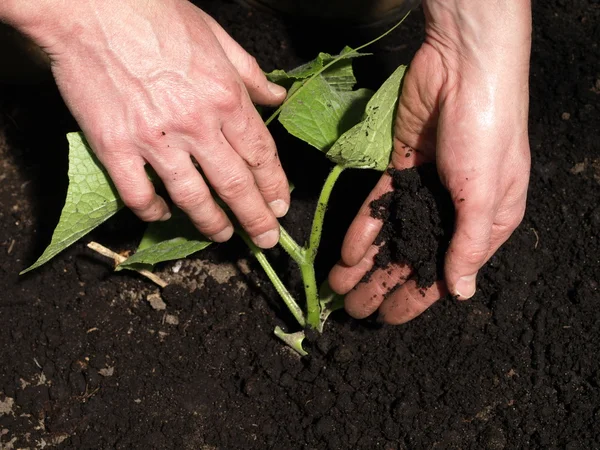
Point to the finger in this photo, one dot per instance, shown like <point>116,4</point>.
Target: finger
<point>343,278</point>
<point>261,90</point>
<point>409,301</point>
<point>249,137</point>
<point>366,298</point>
<point>364,228</point>
<point>135,189</point>
<point>190,193</point>
<point>471,243</point>
<point>235,184</point>
<point>405,157</point>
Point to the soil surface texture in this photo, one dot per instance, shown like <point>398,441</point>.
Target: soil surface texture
<point>88,363</point>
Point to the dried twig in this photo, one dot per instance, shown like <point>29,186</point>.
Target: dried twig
<point>118,259</point>
<point>537,238</point>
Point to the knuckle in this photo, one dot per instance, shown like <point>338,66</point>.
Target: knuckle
<point>236,186</point>
<point>210,227</point>
<point>261,151</point>
<point>249,65</point>
<point>227,96</point>
<point>274,187</point>
<point>188,198</point>
<point>112,141</point>
<point>475,255</point>
<point>257,224</point>
<point>138,201</point>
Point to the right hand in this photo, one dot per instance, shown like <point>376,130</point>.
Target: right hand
<point>161,83</point>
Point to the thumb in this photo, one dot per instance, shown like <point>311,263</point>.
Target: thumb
<point>261,90</point>
<point>470,245</point>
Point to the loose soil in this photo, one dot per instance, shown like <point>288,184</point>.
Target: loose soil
<point>418,219</point>
<point>87,363</point>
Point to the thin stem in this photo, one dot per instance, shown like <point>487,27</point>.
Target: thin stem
<point>317,225</point>
<point>313,306</point>
<point>327,66</point>
<point>309,279</point>
<point>118,259</point>
<point>288,243</point>
<point>275,280</point>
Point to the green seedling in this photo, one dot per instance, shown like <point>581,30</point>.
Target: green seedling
<point>351,127</point>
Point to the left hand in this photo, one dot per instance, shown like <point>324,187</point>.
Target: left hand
<point>466,110</point>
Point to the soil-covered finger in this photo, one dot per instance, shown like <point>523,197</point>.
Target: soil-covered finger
<point>367,296</point>
<point>366,226</point>
<point>343,278</point>
<point>418,219</point>
<point>409,301</point>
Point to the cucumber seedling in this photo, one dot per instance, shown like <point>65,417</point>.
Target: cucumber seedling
<point>352,127</point>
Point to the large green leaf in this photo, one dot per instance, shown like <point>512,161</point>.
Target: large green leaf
<point>368,145</point>
<point>320,114</point>
<point>91,199</point>
<point>175,238</point>
<point>340,75</point>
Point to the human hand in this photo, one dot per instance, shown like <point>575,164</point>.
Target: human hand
<point>161,83</point>
<point>464,106</point>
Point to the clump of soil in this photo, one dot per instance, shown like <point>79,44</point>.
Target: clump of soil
<point>418,220</point>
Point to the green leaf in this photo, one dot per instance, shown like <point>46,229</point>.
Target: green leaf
<point>339,75</point>
<point>319,114</point>
<point>91,199</point>
<point>171,249</point>
<point>368,145</point>
<point>175,238</point>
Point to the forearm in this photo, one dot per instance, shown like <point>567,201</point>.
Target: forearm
<point>485,31</point>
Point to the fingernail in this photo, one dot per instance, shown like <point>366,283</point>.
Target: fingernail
<point>166,217</point>
<point>465,286</point>
<point>268,239</point>
<point>279,208</point>
<point>222,235</point>
<point>276,90</point>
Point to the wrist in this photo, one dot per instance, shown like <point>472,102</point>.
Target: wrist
<point>487,33</point>
<point>40,20</point>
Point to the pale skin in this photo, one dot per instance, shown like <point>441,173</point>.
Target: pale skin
<point>160,83</point>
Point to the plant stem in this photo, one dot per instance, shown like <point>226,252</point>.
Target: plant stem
<point>309,280</point>
<point>317,225</point>
<point>313,306</point>
<point>327,66</point>
<point>275,280</point>
<point>118,259</point>
<point>288,243</point>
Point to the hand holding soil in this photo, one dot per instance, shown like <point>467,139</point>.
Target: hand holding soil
<point>464,106</point>
<point>160,84</point>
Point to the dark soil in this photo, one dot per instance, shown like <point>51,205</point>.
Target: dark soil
<point>418,219</point>
<point>86,363</point>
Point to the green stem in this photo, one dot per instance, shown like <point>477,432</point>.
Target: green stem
<point>327,66</point>
<point>309,279</point>
<point>317,225</point>
<point>288,243</point>
<point>313,306</point>
<point>275,280</point>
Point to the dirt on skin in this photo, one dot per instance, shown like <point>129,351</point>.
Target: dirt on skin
<point>87,363</point>
<point>418,220</point>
